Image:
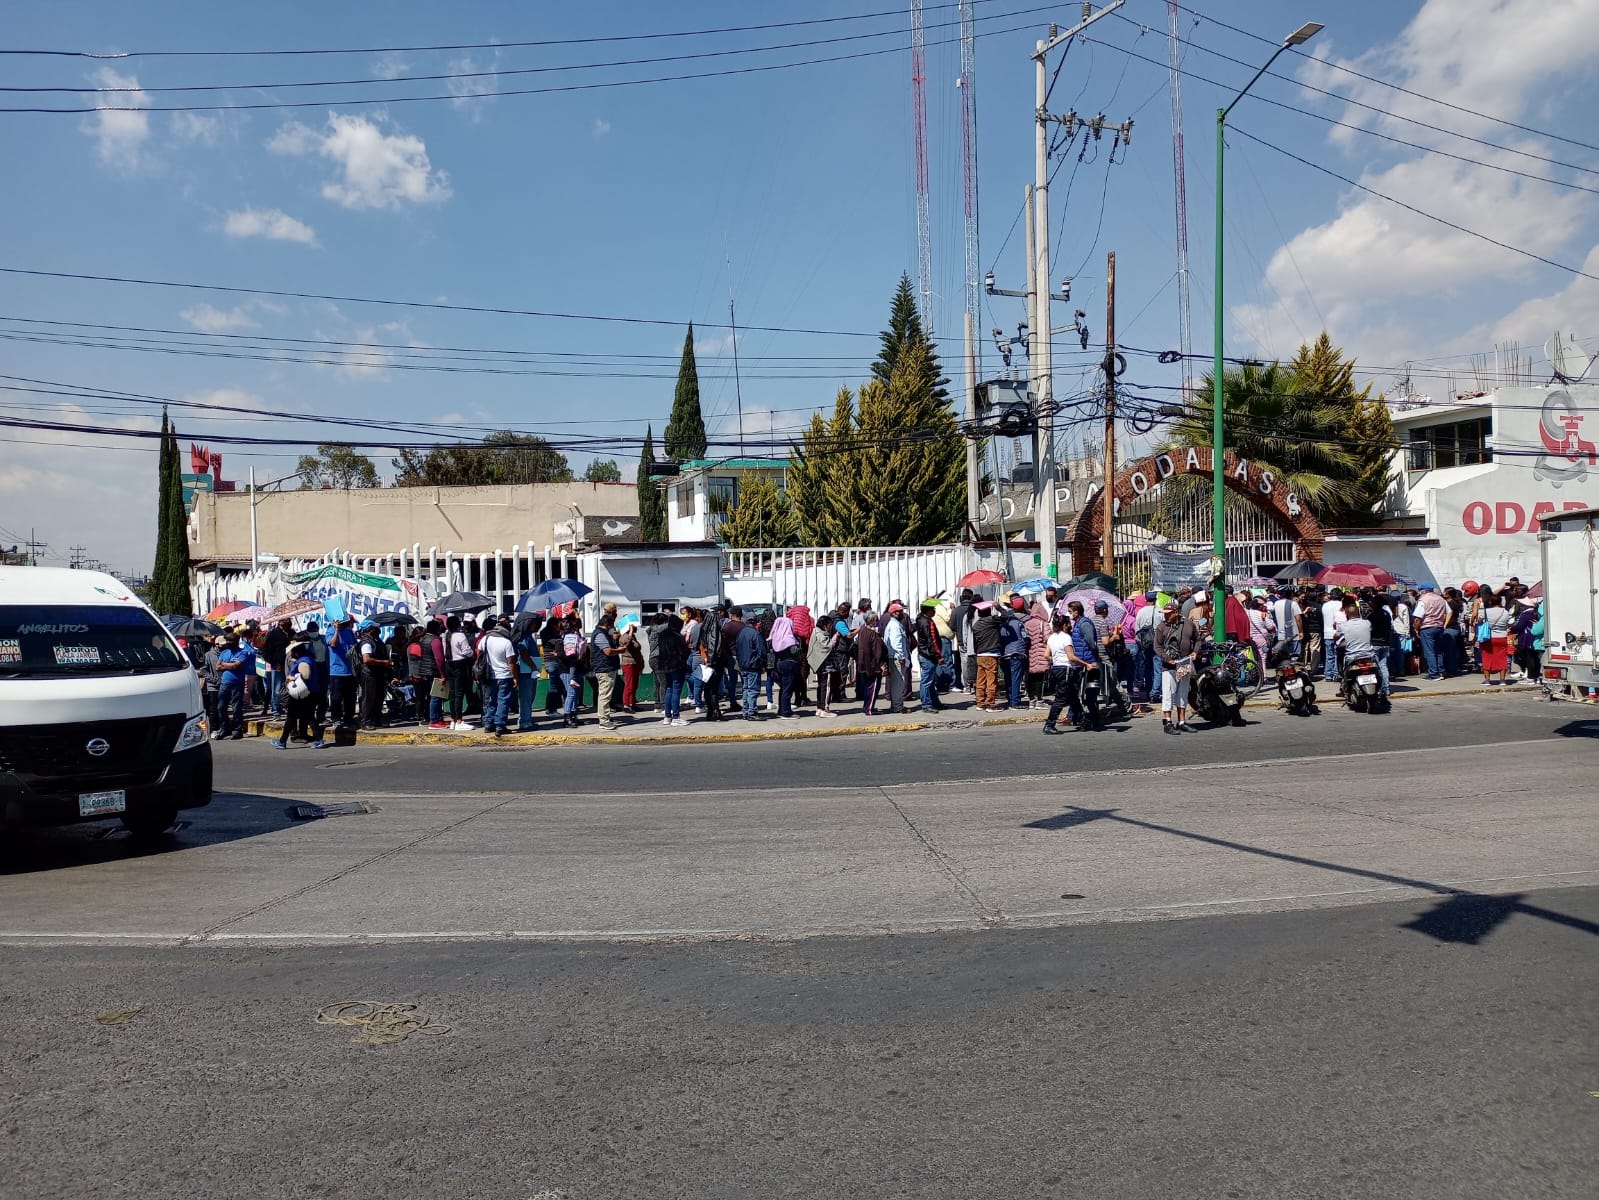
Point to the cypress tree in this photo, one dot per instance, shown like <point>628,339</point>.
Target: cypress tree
<point>651,499</point>
<point>685,430</point>
<point>905,330</point>
<point>163,467</point>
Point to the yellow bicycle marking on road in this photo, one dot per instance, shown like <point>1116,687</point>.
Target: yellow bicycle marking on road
<point>380,1024</point>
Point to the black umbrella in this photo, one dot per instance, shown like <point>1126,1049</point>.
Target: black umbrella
<point>1300,570</point>
<point>385,619</point>
<point>194,627</point>
<point>460,602</point>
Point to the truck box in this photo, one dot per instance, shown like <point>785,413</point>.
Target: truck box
<point>1571,603</point>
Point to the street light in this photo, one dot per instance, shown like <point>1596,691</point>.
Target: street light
<point>1218,517</point>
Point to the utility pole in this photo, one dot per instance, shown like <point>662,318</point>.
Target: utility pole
<point>255,552</point>
<point>1108,549</point>
<point>1041,483</point>
<point>1044,488</point>
<point>34,545</point>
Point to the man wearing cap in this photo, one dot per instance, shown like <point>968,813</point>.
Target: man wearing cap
<point>1185,601</point>
<point>1146,674</point>
<point>500,652</point>
<point>237,666</point>
<point>897,644</point>
<point>985,626</point>
<point>377,668</point>
<point>929,655</point>
<point>1432,613</point>
<point>1174,646</point>
<point>274,648</point>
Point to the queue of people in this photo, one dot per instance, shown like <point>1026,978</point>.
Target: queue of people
<point>462,672</point>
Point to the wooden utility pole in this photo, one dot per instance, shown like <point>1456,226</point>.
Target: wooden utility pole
<point>1108,549</point>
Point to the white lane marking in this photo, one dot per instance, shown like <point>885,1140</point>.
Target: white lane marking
<point>765,933</point>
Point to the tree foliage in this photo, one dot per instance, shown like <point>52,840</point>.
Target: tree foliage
<point>905,330</point>
<point>501,457</point>
<point>602,470</point>
<point>169,580</point>
<point>337,467</point>
<point>651,497</point>
<point>1366,429</point>
<point>763,516</point>
<point>685,430</point>
<point>889,469</point>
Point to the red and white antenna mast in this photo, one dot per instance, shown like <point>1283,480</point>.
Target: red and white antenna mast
<point>1179,172</point>
<point>924,229</point>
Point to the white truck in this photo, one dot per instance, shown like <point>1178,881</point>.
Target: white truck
<point>101,713</point>
<point>1571,603</point>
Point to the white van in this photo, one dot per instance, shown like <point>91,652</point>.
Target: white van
<point>101,713</point>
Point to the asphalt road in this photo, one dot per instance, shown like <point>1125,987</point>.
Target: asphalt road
<point>630,965</point>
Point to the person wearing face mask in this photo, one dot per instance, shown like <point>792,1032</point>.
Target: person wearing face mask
<point>1175,641</point>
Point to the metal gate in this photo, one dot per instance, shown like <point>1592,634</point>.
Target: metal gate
<point>1177,516</point>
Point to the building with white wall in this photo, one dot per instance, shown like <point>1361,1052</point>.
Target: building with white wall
<point>706,489</point>
<point>1474,475</point>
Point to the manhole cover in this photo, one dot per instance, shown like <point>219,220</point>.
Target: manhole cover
<point>315,812</point>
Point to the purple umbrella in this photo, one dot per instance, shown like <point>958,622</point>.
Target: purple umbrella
<point>1088,597</point>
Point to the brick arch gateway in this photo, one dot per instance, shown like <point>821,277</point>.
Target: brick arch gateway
<point>1241,476</point>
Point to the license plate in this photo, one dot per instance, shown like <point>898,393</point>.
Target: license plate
<point>1295,688</point>
<point>1368,681</point>
<point>92,804</point>
<point>1229,700</point>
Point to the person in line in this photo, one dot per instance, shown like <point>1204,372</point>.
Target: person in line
<point>377,668</point>
<point>871,659</point>
<point>1067,668</point>
<point>1315,655</point>
<point>1013,650</point>
<point>986,643</point>
<point>1332,616</point>
<point>1432,614</point>
<point>897,655</point>
<point>631,660</point>
<point>529,667</point>
<point>1354,639</point>
<point>672,663</point>
<point>550,652</point>
<point>1493,637</point>
<point>236,668</point>
<point>574,664</point>
<point>604,654</point>
<point>1175,644</point>
<point>299,700</point>
<point>930,656</point>
<point>1088,642</point>
<point>749,652</point>
<point>817,653</point>
<point>788,652</point>
<point>458,655</point>
<point>500,674</point>
<point>274,649</point>
<point>430,674</point>
<point>1289,620</point>
<point>692,626</point>
<point>712,666</point>
<point>832,675</point>
<point>965,653</point>
<point>342,661</point>
<point>211,681</point>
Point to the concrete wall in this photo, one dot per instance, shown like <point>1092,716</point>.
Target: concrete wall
<point>375,521</point>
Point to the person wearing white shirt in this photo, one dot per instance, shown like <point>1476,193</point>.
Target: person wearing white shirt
<point>1332,619</point>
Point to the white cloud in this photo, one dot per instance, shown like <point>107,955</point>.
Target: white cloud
<point>224,397</point>
<point>712,345</point>
<point>470,94</point>
<point>601,128</point>
<point>390,66</point>
<point>268,223</point>
<point>376,169</point>
<point>1392,283</point>
<point>197,127</point>
<point>207,319</point>
<point>1573,309</point>
<point>120,136</point>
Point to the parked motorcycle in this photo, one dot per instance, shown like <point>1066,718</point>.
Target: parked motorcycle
<point>1361,686</point>
<point>1223,680</point>
<point>1294,688</point>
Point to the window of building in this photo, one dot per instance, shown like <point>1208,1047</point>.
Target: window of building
<point>1454,444</point>
<point>723,495</point>
<point>685,499</point>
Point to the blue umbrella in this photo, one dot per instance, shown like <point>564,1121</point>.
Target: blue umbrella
<point>552,592</point>
<point>1033,587</point>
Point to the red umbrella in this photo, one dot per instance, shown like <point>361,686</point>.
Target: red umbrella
<point>1535,592</point>
<point>1355,575</point>
<point>980,578</point>
<point>294,608</point>
<point>225,609</point>
<point>800,616</point>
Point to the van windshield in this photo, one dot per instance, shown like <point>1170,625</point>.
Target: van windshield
<point>55,640</point>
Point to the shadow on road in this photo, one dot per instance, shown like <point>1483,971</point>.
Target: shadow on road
<point>1574,729</point>
<point>230,817</point>
<point>1464,917</point>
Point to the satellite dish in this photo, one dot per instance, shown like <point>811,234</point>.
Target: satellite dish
<point>1566,359</point>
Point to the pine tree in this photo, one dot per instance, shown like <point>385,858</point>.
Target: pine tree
<point>169,581</point>
<point>763,516</point>
<point>821,479</point>
<point>651,498</point>
<point>905,330</point>
<point>685,430</point>
<point>1364,425</point>
<point>911,463</point>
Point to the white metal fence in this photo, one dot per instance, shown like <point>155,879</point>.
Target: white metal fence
<point>823,577</point>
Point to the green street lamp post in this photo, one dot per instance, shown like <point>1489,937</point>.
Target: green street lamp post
<point>1218,520</point>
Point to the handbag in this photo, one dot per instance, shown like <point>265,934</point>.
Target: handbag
<point>1184,671</point>
<point>1485,631</point>
<point>439,690</point>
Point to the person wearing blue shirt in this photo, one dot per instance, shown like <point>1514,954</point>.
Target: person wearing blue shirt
<point>236,667</point>
<point>1085,646</point>
<point>341,675</point>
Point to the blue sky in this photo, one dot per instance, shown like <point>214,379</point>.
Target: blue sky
<point>792,187</point>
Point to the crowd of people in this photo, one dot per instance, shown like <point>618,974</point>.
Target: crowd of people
<point>462,672</point>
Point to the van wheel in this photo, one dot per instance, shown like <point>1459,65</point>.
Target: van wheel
<point>150,822</point>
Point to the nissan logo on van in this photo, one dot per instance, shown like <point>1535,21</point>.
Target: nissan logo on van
<point>98,747</point>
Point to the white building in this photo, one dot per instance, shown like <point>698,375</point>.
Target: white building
<point>706,490</point>
<point>1474,475</point>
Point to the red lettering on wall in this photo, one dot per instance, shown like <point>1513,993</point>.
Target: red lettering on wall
<point>1477,517</point>
<point>1539,511</point>
<point>1509,517</point>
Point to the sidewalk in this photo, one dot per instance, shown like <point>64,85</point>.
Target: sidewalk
<point>959,712</point>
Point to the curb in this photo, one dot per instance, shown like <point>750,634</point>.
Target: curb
<point>517,741</point>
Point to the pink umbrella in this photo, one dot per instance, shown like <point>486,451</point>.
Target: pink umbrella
<point>1355,575</point>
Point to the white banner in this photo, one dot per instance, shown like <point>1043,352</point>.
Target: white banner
<point>1172,569</point>
<point>361,594</point>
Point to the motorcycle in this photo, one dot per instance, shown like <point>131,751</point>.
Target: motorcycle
<point>1294,688</point>
<point>1361,687</point>
<point>1223,679</point>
